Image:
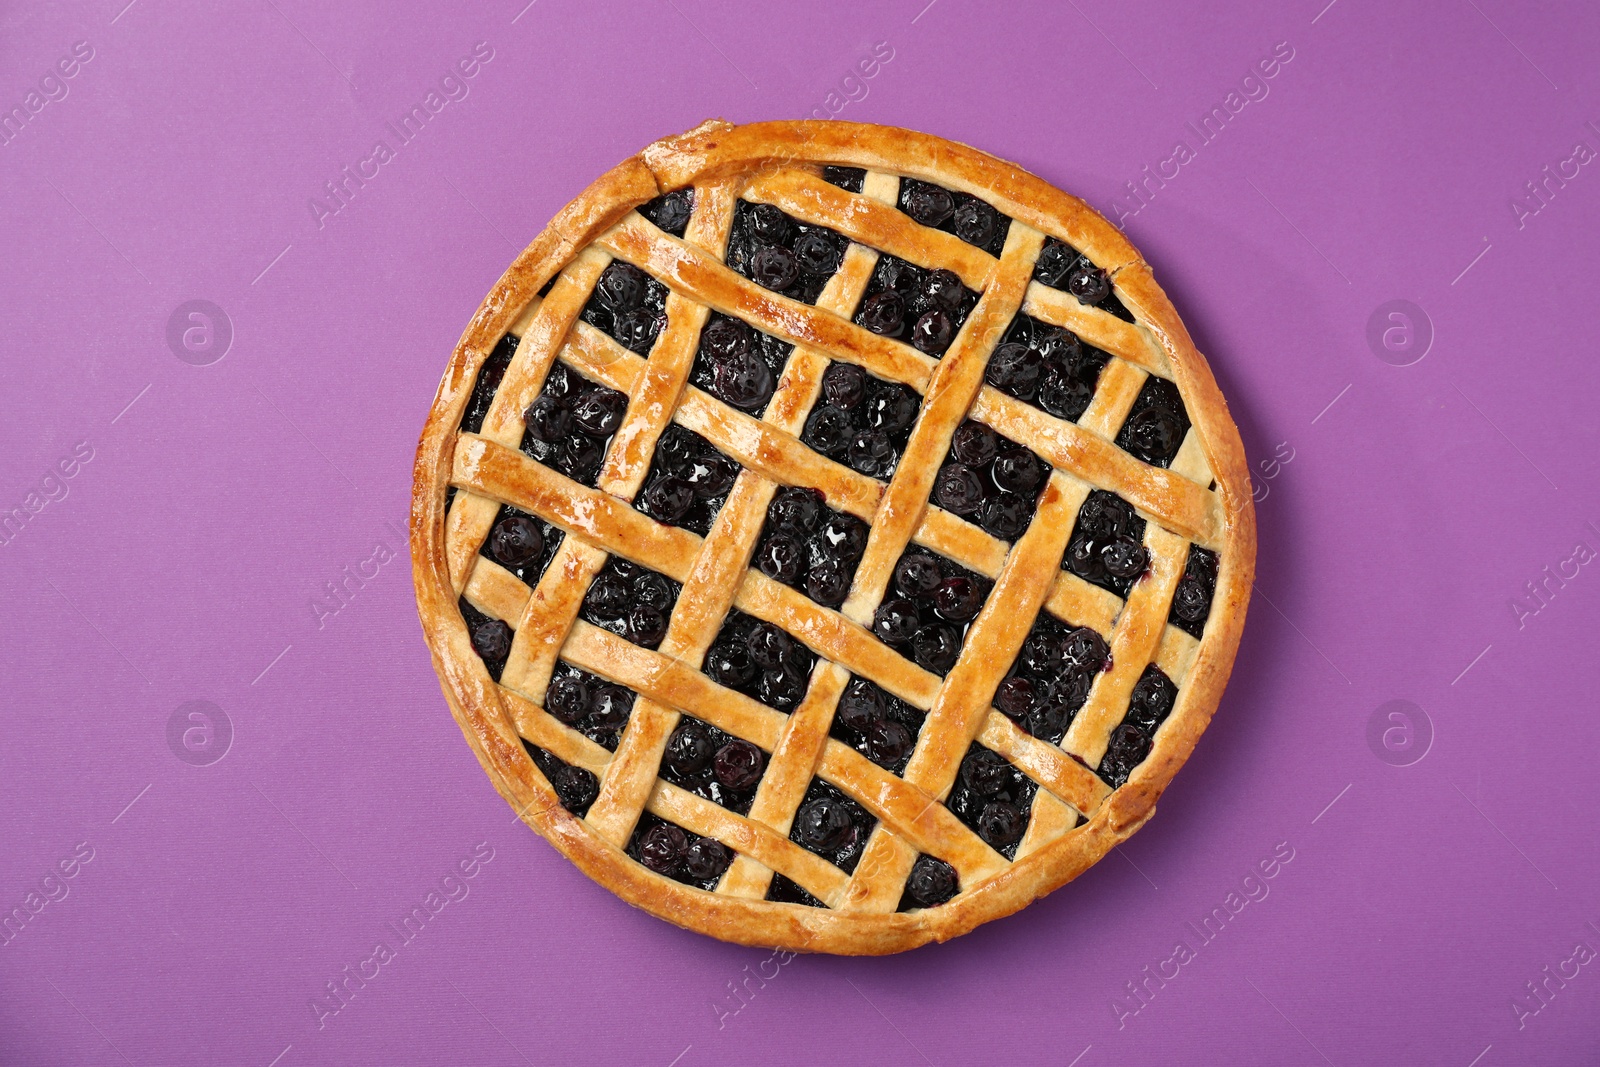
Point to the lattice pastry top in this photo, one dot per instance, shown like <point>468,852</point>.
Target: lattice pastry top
<point>828,536</point>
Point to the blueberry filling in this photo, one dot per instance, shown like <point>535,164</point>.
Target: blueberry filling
<point>521,543</point>
<point>688,481</point>
<point>710,763</point>
<point>670,211</point>
<point>575,787</point>
<point>969,218</point>
<point>850,179</point>
<point>761,661</point>
<point>993,798</point>
<point>862,421</point>
<point>1046,366</point>
<point>932,882</point>
<point>1060,266</point>
<point>1191,603</point>
<point>990,481</point>
<point>1107,546</point>
<point>629,305</point>
<point>930,605</point>
<point>787,891</point>
<point>832,825</point>
<point>491,638</point>
<point>1156,423</point>
<point>489,378</point>
<point>631,601</point>
<point>738,364</point>
<point>1148,707</point>
<point>1051,677</point>
<point>881,727</point>
<point>449,497</point>
<point>570,423</point>
<point>668,849</point>
<point>781,253</point>
<point>923,308</point>
<point>594,707</point>
<point>810,547</point>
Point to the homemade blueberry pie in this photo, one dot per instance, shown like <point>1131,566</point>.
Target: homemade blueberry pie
<point>828,536</point>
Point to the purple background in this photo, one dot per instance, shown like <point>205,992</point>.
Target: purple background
<point>1418,503</point>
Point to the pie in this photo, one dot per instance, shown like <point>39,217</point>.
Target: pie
<point>828,536</point>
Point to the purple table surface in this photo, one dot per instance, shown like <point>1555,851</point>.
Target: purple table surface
<point>1403,746</point>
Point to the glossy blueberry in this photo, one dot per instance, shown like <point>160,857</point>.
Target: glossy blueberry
<point>781,557</point>
<point>609,706</point>
<point>928,204</point>
<point>1088,283</point>
<point>575,787</point>
<point>1124,558</point>
<point>689,749</point>
<point>739,765</point>
<point>600,412</point>
<point>775,267</point>
<point>886,742</point>
<point>491,639</point>
<point>917,575</point>
<point>828,582</point>
<point>516,540</point>
<point>1151,700</point>
<point>844,385</point>
<point>847,178</point>
<point>844,535</point>
<point>671,211</point>
<point>935,648</point>
<point>892,410</point>
<point>706,859</point>
<point>743,381</point>
<point>646,625</point>
<point>608,599</point>
<point>985,772</point>
<point>974,222</point>
<point>663,847</point>
<point>974,444</point>
<point>567,699</point>
<point>1001,823</point>
<point>796,508</point>
<point>1017,470</point>
<point>883,313</point>
<point>724,337</point>
<point>895,622</point>
<point>816,252</point>
<point>828,430</point>
<point>871,452</point>
<point>1064,395</point>
<point>635,330</point>
<point>782,688</point>
<point>958,489</point>
<point>1006,516</point>
<point>731,665</point>
<point>1015,369</point>
<point>959,599</point>
<point>861,704</point>
<point>933,332</point>
<point>1054,261</point>
<point>1014,697</point>
<point>768,224</point>
<point>824,825</point>
<point>548,420</point>
<point>1154,435</point>
<point>1127,749</point>
<point>932,882</point>
<point>621,286</point>
<point>668,499</point>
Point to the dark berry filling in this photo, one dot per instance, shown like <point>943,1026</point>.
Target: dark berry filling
<point>631,601</point>
<point>969,218</point>
<point>1156,423</point>
<point>489,378</point>
<point>491,638</point>
<point>782,253</point>
<point>449,497</point>
<point>713,764</point>
<point>932,882</point>
<point>668,849</point>
<point>930,605</point>
<point>923,308</point>
<point>990,481</point>
<point>688,481</point>
<point>810,547</point>
<point>850,179</point>
<point>594,707</point>
<point>993,798</point>
<point>1060,266</point>
<point>670,211</point>
<point>570,423</point>
<point>1051,677</point>
<point>575,787</point>
<point>832,825</point>
<point>1046,366</point>
<point>862,421</point>
<point>1191,603</point>
<point>521,543</point>
<point>738,364</point>
<point>1148,707</point>
<point>1107,546</point>
<point>629,305</point>
<point>881,727</point>
<point>761,661</point>
<point>787,891</point>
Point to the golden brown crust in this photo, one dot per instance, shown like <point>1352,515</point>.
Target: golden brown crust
<point>777,162</point>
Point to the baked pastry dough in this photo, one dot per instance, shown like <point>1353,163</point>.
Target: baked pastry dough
<point>1028,525</point>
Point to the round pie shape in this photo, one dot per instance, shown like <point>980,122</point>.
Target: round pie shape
<point>606,459</point>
